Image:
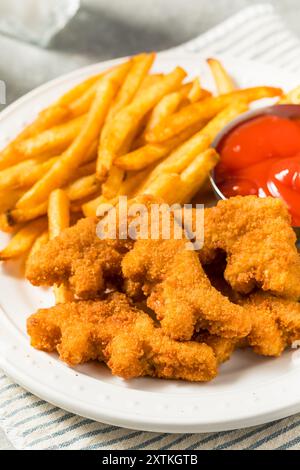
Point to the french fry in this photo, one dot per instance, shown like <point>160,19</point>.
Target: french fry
<point>48,118</point>
<point>172,187</point>
<point>73,157</point>
<point>52,141</point>
<point>90,208</point>
<point>23,174</point>
<point>79,90</point>
<point>83,103</point>
<point>195,175</point>
<point>148,81</point>
<point>150,153</point>
<point>182,156</point>
<point>130,116</point>
<point>16,216</point>
<point>164,186</point>
<point>84,170</point>
<point>54,115</point>
<point>23,240</point>
<point>83,187</point>
<point>39,242</point>
<point>113,183</point>
<point>141,65</point>
<point>224,82</point>
<point>8,199</point>
<point>142,157</point>
<point>58,212</point>
<point>28,172</point>
<point>59,219</point>
<point>292,97</point>
<point>195,92</point>
<point>204,110</point>
<point>133,182</point>
<point>165,107</point>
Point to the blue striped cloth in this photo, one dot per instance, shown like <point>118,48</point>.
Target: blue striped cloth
<point>31,423</point>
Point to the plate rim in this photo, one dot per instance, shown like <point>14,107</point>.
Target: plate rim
<point>103,415</point>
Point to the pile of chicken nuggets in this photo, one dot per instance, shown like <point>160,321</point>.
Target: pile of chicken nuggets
<point>151,307</point>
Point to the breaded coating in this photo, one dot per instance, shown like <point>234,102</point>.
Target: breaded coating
<point>275,323</point>
<point>124,337</point>
<point>222,347</point>
<point>257,237</point>
<point>179,292</point>
<point>77,257</point>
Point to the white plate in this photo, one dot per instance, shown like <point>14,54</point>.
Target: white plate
<point>249,389</point>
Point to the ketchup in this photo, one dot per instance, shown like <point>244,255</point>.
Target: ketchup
<point>262,157</point>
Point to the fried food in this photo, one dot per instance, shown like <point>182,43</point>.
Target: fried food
<point>222,347</point>
<point>178,290</point>
<point>275,323</point>
<point>206,109</point>
<point>79,258</point>
<point>23,240</point>
<point>119,334</point>
<point>256,235</point>
<point>224,82</point>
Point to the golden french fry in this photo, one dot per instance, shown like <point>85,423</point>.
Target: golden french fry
<point>73,157</point>
<point>165,107</point>
<point>39,242</point>
<point>78,91</point>
<point>142,157</point>
<point>90,208</point>
<point>205,109</point>
<point>112,185</point>
<point>17,216</point>
<point>148,81</point>
<point>133,181</point>
<point>28,172</point>
<point>83,103</point>
<point>58,212</point>
<point>63,294</point>
<point>182,156</point>
<point>129,118</point>
<point>48,118</point>
<point>8,199</point>
<point>224,82</point>
<point>52,116</point>
<point>51,141</point>
<point>195,92</point>
<point>24,174</point>
<point>23,240</point>
<point>141,65</point>
<point>164,186</point>
<point>83,187</point>
<point>58,220</point>
<point>292,97</point>
<point>195,175</point>
<point>150,153</point>
<point>84,170</point>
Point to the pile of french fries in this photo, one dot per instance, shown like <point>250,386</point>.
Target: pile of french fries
<point>122,132</point>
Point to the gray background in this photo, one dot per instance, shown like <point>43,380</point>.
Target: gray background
<point>105,29</point>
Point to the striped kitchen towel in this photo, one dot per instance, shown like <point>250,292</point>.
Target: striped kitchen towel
<point>31,423</point>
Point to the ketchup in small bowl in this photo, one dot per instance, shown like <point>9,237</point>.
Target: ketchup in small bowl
<point>260,155</point>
